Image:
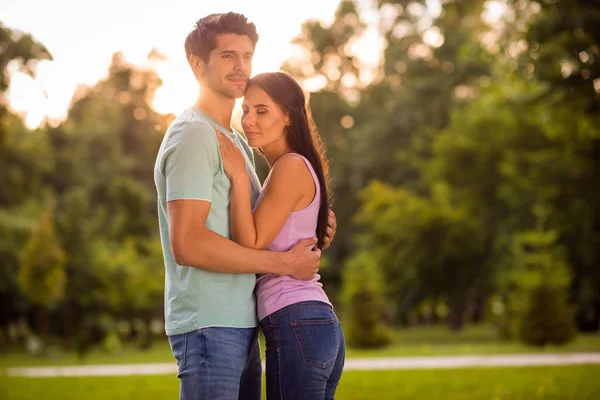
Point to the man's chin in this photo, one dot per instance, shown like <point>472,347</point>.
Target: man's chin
<point>233,93</point>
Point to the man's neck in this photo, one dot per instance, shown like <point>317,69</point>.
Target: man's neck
<point>217,106</point>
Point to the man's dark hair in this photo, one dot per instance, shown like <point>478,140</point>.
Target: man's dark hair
<point>203,39</point>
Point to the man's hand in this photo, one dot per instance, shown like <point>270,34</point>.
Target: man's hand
<point>301,261</point>
<point>331,228</point>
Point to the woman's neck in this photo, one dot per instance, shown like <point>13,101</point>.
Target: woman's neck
<point>274,151</point>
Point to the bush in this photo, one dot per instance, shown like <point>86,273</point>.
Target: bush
<point>541,277</point>
<point>363,303</point>
<point>548,320</point>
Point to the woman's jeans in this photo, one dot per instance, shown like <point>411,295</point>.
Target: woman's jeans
<point>218,363</point>
<point>305,351</point>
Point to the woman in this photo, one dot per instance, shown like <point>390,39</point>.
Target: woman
<point>305,343</point>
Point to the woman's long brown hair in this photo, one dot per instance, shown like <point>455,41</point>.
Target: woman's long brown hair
<point>302,135</point>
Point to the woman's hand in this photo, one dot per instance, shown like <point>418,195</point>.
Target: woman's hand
<point>234,163</point>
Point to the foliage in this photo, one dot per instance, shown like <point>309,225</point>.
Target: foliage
<point>364,303</point>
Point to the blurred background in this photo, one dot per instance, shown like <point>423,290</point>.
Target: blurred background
<point>464,139</point>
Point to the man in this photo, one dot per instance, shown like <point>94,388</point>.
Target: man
<point>209,301</point>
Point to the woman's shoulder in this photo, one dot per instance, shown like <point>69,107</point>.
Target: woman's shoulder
<point>293,163</point>
<point>292,168</point>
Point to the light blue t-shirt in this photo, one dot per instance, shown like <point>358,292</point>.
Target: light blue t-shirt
<point>189,166</point>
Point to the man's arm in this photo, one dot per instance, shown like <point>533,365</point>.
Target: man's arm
<point>331,229</point>
<point>192,244</point>
<point>189,165</point>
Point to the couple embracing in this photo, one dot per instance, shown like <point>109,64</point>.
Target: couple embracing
<point>240,255</point>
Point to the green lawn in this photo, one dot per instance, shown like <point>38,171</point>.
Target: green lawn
<point>436,340</point>
<point>571,382</point>
<point>407,342</point>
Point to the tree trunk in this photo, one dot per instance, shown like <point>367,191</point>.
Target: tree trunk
<point>44,323</point>
<point>456,312</point>
<point>68,326</point>
<point>433,317</point>
<point>477,310</point>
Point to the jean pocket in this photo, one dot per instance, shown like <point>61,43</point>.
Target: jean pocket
<point>317,340</point>
<point>179,348</point>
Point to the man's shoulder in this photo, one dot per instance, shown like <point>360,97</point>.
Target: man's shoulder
<point>189,128</point>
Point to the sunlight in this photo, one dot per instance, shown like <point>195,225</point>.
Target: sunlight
<point>27,98</point>
<point>494,10</point>
<point>84,58</point>
<point>433,37</point>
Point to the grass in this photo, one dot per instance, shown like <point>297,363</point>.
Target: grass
<point>422,341</point>
<point>551,383</point>
<point>436,340</point>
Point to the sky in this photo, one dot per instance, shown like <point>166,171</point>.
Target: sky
<point>82,36</point>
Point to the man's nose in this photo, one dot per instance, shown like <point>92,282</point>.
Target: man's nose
<point>242,65</point>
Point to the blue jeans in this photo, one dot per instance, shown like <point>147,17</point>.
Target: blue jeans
<point>218,363</point>
<point>305,351</point>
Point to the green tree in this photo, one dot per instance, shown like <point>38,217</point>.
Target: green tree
<point>366,122</point>
<point>363,303</point>
<point>563,49</point>
<point>539,280</point>
<point>42,272</point>
<point>428,249</point>
<point>23,160</point>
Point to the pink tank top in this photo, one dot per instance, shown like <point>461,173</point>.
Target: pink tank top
<point>273,292</point>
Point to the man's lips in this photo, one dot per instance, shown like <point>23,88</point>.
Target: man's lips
<point>240,81</point>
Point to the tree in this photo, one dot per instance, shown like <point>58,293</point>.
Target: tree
<point>363,303</point>
<point>427,249</point>
<point>21,47</point>
<point>23,160</point>
<point>42,271</point>
<point>539,281</point>
<point>563,41</point>
<point>372,119</point>
<point>563,49</point>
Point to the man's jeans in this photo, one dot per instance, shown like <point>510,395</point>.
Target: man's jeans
<point>218,363</point>
<point>305,352</point>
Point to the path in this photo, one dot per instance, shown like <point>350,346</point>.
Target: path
<point>439,362</point>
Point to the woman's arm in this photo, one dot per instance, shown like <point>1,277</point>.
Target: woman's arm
<point>290,183</point>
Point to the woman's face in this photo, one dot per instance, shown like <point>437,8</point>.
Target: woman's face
<point>263,120</point>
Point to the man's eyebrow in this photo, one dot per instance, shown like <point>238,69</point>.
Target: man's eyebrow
<point>248,53</point>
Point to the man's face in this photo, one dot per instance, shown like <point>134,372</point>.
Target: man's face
<point>229,65</point>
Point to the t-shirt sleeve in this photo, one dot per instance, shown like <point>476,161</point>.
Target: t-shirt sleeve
<point>190,163</point>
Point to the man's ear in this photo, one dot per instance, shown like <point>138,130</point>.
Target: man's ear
<point>197,65</point>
